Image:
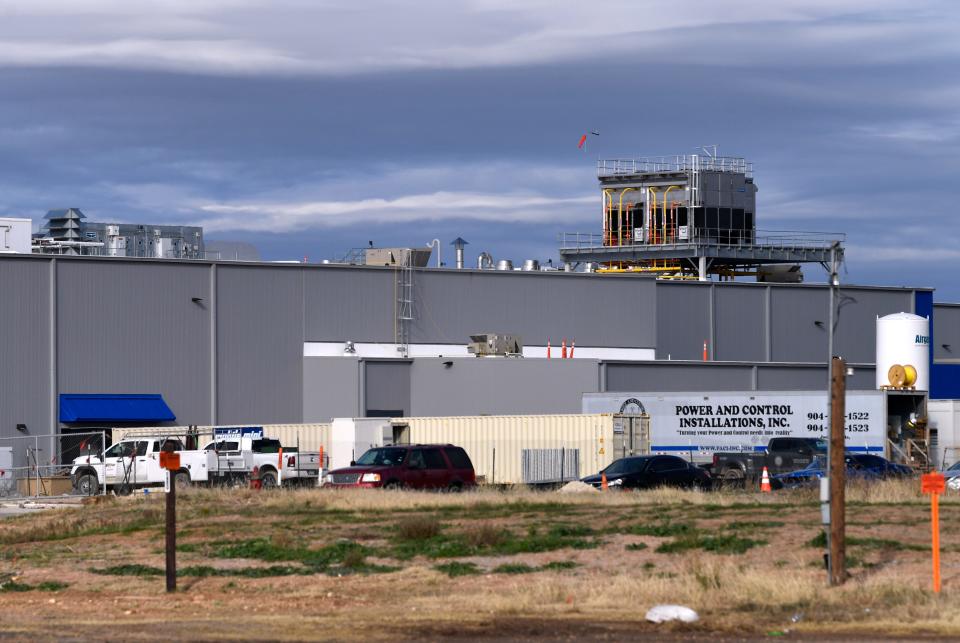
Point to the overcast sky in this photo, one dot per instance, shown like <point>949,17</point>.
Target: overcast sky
<point>307,126</point>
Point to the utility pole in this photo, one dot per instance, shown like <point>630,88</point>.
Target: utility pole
<point>826,495</point>
<point>838,473</point>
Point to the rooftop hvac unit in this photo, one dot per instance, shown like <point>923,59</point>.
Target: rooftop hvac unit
<point>489,344</point>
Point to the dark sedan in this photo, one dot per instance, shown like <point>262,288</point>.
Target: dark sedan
<point>649,471</point>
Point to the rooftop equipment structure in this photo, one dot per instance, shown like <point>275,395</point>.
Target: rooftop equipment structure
<point>686,216</point>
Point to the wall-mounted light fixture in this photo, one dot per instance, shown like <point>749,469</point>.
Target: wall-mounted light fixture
<point>22,428</point>
<point>946,347</point>
<point>447,364</point>
<point>818,324</point>
<point>197,300</point>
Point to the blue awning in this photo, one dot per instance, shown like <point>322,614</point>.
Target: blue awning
<point>100,407</point>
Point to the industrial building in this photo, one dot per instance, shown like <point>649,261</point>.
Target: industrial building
<point>228,342</point>
<point>134,339</point>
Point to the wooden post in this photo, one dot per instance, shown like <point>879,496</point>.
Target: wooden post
<point>171,533</point>
<point>838,471</point>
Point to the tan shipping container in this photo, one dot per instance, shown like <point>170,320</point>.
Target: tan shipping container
<point>531,449</point>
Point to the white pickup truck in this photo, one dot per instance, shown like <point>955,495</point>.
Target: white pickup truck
<point>232,457</point>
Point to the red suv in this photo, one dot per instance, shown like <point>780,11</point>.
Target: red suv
<point>413,466</point>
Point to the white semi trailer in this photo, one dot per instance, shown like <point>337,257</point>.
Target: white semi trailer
<point>695,425</point>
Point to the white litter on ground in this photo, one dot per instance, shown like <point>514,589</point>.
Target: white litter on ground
<point>664,613</point>
<point>576,486</point>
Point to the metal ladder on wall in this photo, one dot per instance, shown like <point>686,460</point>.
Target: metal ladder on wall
<point>403,307</point>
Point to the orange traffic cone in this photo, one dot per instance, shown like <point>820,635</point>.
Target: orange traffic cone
<point>603,481</point>
<point>765,481</point>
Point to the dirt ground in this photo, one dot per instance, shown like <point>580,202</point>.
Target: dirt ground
<point>514,565</point>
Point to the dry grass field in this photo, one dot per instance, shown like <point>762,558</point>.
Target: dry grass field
<point>373,565</point>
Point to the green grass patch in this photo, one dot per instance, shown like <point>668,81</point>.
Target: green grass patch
<point>515,568</point>
<point>753,524</point>
<point>343,557</point>
<point>131,569</point>
<point>661,529</point>
<point>559,565</point>
<point>720,544</point>
<point>13,586</point>
<point>503,543</point>
<point>820,541</point>
<point>636,547</point>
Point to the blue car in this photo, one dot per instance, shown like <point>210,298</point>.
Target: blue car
<point>860,466</point>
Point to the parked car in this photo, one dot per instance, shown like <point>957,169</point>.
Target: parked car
<point>881,466</point>
<point>860,466</point>
<point>648,471</point>
<point>952,474</point>
<point>416,466</point>
<point>782,455</point>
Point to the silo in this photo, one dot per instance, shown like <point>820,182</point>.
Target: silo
<point>903,340</point>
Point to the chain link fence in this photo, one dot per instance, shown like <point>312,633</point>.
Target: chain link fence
<point>34,466</point>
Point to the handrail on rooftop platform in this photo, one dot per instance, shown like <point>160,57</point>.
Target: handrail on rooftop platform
<point>676,163</point>
<point>714,237</point>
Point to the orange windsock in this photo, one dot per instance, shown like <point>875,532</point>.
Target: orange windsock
<point>583,139</point>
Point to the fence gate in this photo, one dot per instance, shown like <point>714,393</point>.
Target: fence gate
<point>631,435</point>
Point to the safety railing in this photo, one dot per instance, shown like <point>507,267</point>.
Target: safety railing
<point>722,237</point>
<point>676,163</point>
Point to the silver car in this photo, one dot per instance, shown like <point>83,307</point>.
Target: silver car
<point>952,474</point>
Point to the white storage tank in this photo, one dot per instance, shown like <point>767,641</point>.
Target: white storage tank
<point>903,340</point>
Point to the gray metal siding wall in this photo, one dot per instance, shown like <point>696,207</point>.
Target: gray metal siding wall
<point>331,388</point>
<point>495,386</point>
<point>259,344</point>
<point>795,335</point>
<point>679,377</point>
<point>387,387</point>
<point>133,328</point>
<point>716,376</point>
<point>741,323</point>
<point>24,348</point>
<point>683,320</point>
<point>343,304</point>
<point>856,331</point>
<point>946,332</point>
<point>593,310</point>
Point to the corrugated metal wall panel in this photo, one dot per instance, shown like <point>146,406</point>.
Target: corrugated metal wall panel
<point>134,328</point>
<point>25,394</point>
<point>946,332</point>
<point>342,303</point>
<point>795,336</point>
<point>683,320</point>
<point>679,377</point>
<point>495,386</point>
<point>740,323</point>
<point>260,344</point>
<point>452,305</point>
<point>496,443</point>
